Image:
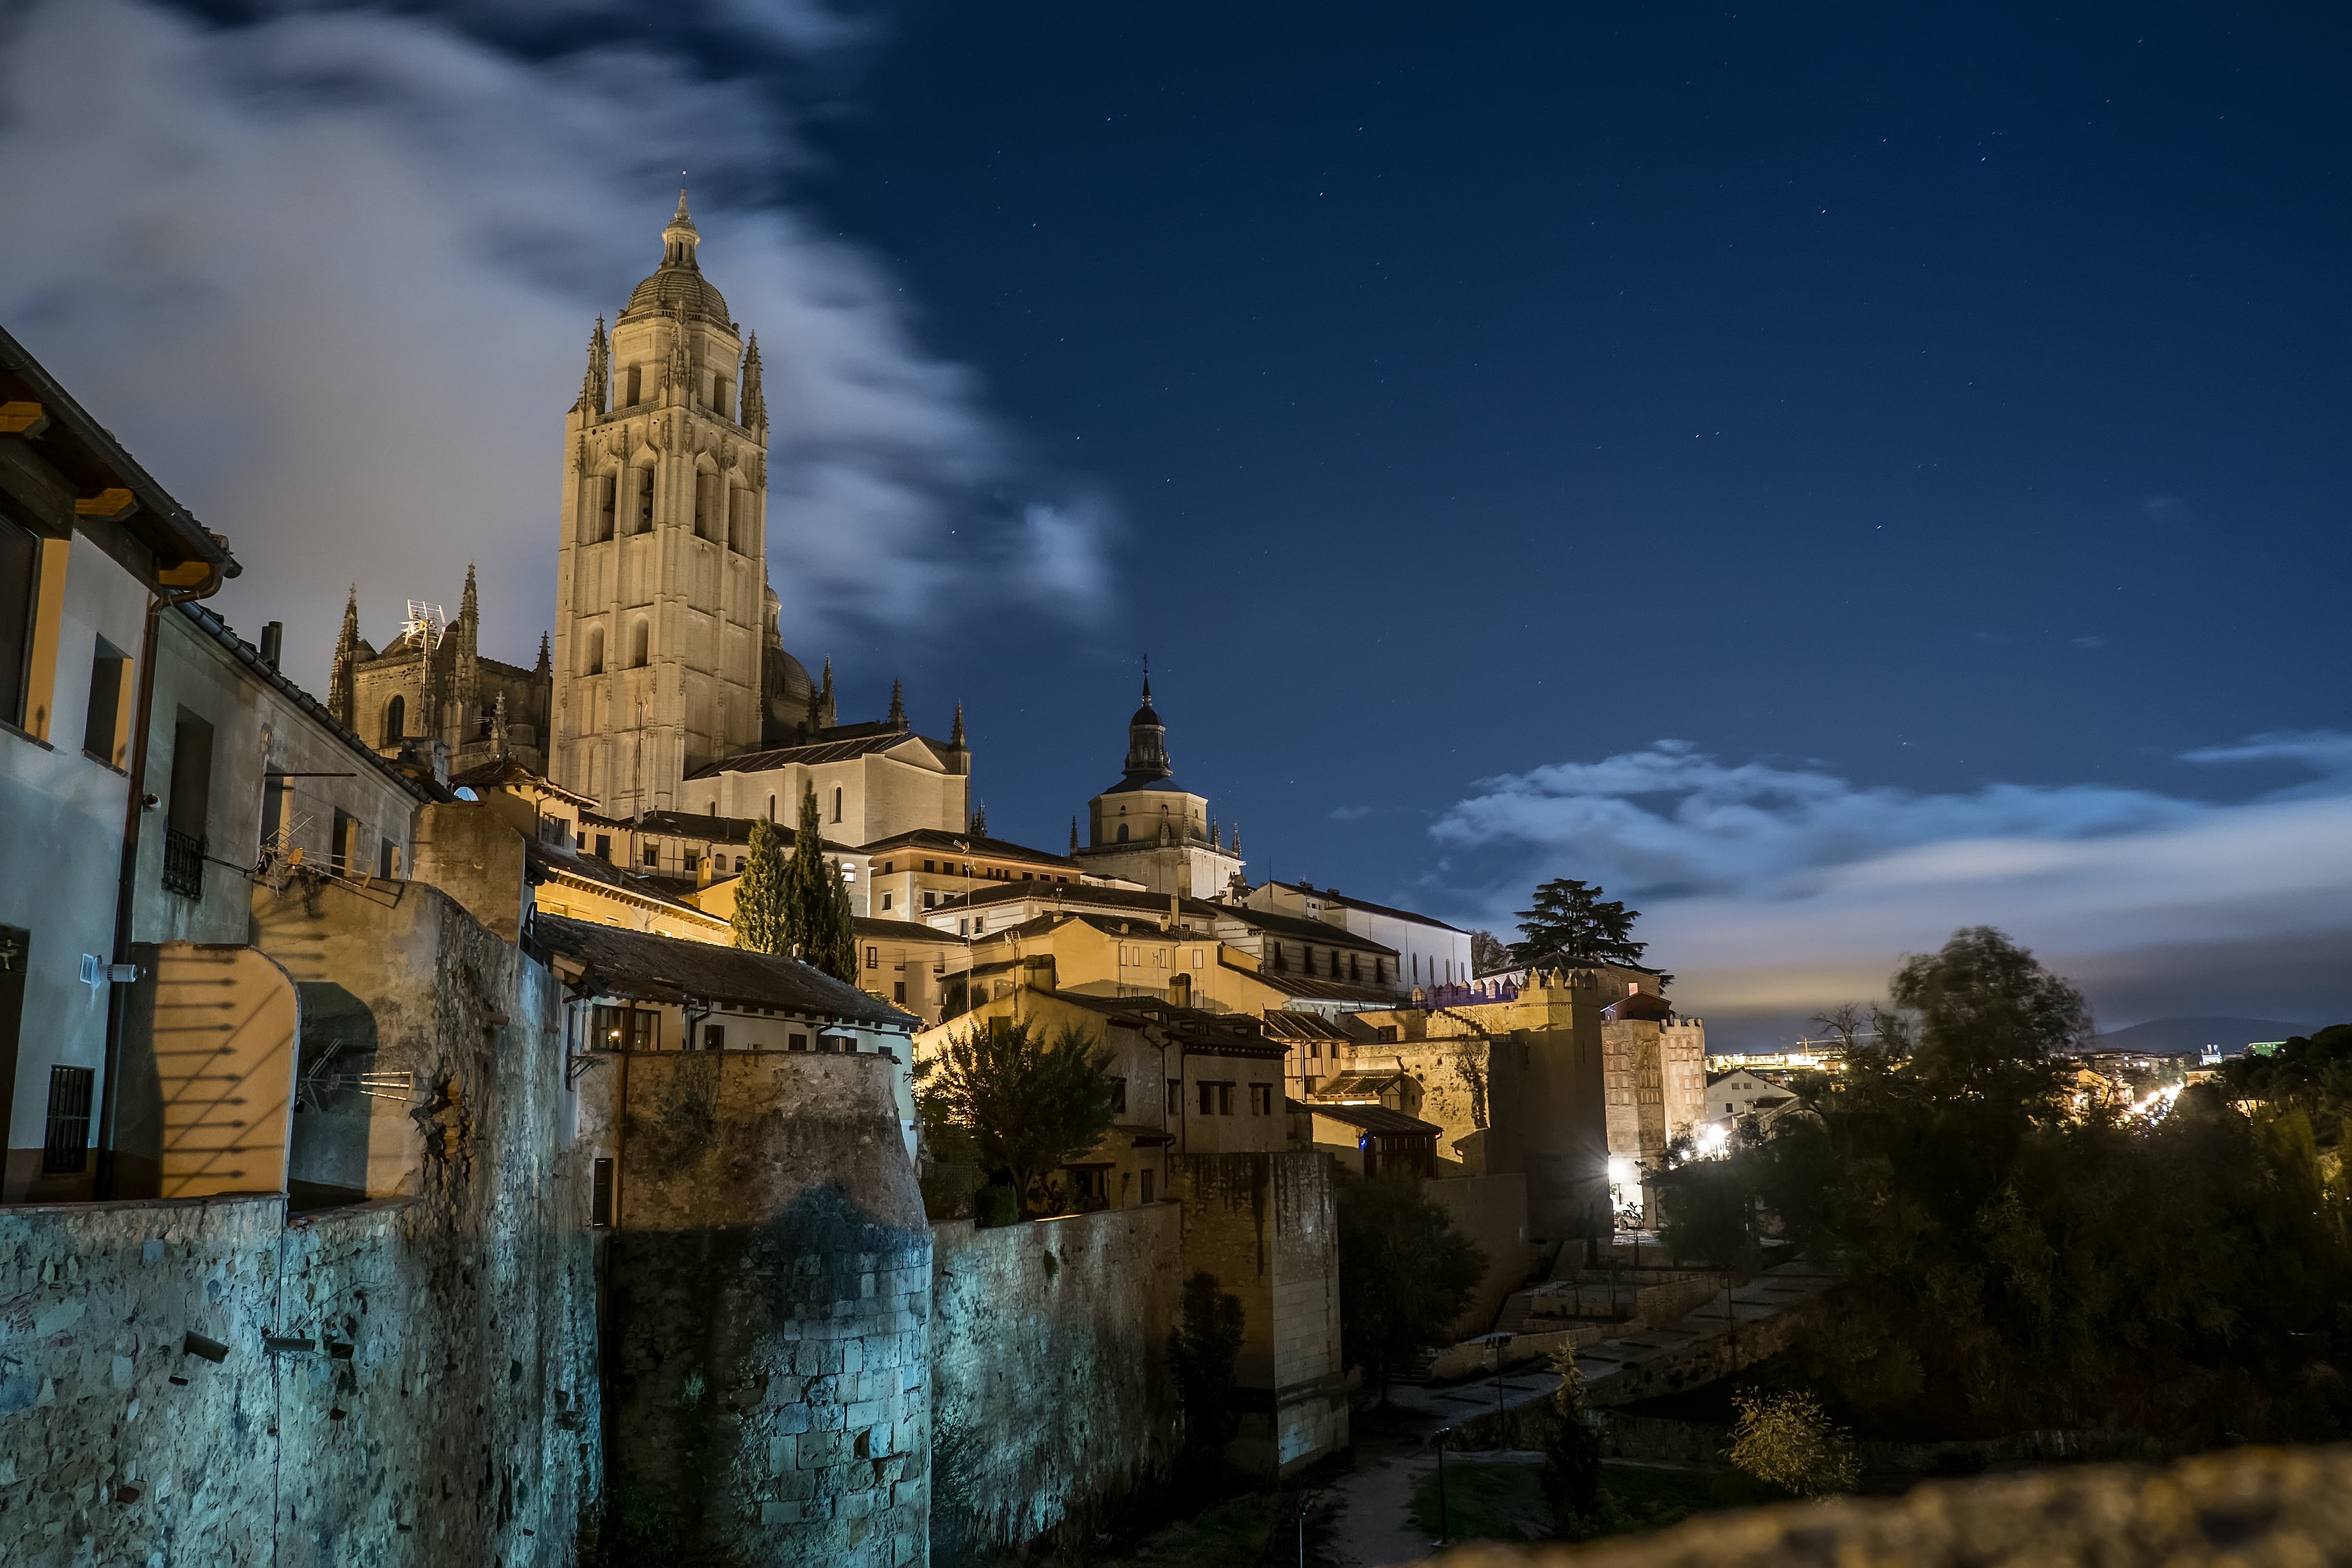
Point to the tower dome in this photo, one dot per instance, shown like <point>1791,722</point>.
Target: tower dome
<point>1147,745</point>
<point>679,280</point>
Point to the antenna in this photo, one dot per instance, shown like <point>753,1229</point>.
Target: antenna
<point>426,620</point>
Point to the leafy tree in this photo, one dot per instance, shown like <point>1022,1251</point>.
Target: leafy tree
<point>2312,1074</point>
<point>1487,952</point>
<point>817,918</point>
<point>1787,1440</point>
<point>1202,1350</point>
<point>1993,1024</point>
<point>2008,1265</point>
<point>1405,1273</point>
<point>1031,1104</point>
<point>1572,1472</point>
<point>760,921</point>
<point>1570,920</point>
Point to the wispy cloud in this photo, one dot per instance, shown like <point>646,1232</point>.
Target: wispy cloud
<point>1778,886</point>
<point>331,271</point>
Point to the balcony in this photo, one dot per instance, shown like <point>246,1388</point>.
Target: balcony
<point>183,863</point>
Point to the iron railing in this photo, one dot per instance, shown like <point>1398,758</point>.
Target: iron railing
<point>183,863</point>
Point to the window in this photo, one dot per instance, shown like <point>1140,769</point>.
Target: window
<point>1261,1100</point>
<point>1146,1185</point>
<point>644,511</point>
<point>1314,1051</point>
<point>343,850</point>
<point>626,1029</point>
<point>652,855</point>
<point>1159,958</point>
<point>898,992</point>
<point>106,727</point>
<point>1208,1098</point>
<point>191,805</point>
<point>633,379</point>
<point>640,645</point>
<point>772,814</point>
<point>1175,1099</point>
<point>873,958</point>
<point>796,1042</point>
<point>886,902</point>
<point>721,403</point>
<point>1353,972</point>
<point>604,846</point>
<point>1200,957</point>
<point>593,663</point>
<point>714,1036</point>
<point>888,867</point>
<point>603,491</point>
<point>64,1147</point>
<point>1119,1097</point>
<point>387,858</point>
<point>396,720</point>
<point>1122,832</point>
<point>837,803</point>
<point>273,809</point>
<point>930,901</point>
<point>20,580</point>
<point>600,1194</point>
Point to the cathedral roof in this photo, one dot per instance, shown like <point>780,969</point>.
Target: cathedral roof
<point>815,752</point>
<point>678,283</point>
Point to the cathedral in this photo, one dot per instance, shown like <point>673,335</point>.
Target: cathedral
<point>430,696</point>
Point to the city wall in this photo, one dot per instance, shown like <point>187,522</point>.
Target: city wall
<point>406,1381</point>
<point>1050,1395</point>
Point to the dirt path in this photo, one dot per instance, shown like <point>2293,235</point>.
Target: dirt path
<point>1373,1529</point>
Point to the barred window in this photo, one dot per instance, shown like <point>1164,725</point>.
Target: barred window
<point>65,1147</point>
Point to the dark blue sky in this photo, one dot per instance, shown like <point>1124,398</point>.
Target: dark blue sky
<point>1951,395</point>
<point>1836,475</point>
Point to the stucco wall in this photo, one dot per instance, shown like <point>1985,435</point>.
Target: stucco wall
<point>1050,1395</point>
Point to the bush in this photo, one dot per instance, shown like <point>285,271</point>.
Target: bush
<point>1787,1440</point>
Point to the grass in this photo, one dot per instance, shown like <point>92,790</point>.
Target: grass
<point>1236,1533</point>
<point>1503,1500</point>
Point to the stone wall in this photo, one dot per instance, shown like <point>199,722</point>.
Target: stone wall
<point>1492,1211</point>
<point>405,1382</point>
<point>770,1279</point>
<point>2242,1507</point>
<point>1051,1402</point>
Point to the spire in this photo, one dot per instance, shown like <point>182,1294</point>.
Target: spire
<point>340,676</point>
<point>470,607</point>
<point>979,820</point>
<point>592,384</point>
<point>499,727</point>
<point>955,736</point>
<point>1147,742</point>
<point>546,664</point>
<point>1214,841</point>
<point>680,239</point>
<point>1074,836</point>
<point>755,400</point>
<point>828,712</point>
<point>680,372</point>
<point>898,720</point>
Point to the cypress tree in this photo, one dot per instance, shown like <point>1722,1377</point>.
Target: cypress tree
<point>816,904</point>
<point>760,898</point>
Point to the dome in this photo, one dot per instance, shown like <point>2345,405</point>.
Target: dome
<point>679,283</point>
<point>672,287</point>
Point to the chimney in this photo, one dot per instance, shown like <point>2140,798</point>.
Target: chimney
<point>273,642</point>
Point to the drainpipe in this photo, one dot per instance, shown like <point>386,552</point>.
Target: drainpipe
<point>127,879</point>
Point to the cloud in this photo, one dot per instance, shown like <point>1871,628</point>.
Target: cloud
<point>1780,887</point>
<point>331,273</point>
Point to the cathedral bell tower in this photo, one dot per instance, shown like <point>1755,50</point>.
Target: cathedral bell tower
<point>662,577</point>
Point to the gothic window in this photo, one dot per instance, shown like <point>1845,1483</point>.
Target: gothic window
<point>396,720</point>
<point>636,384</point>
<point>644,512</point>
<point>837,803</point>
<point>602,499</point>
<point>639,636</point>
<point>1122,832</point>
<point>739,520</point>
<point>703,526</point>
<point>596,661</point>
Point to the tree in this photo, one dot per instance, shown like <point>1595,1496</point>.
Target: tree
<point>1405,1273</point>
<point>1569,919</point>
<point>1992,1023</point>
<point>1572,1472</point>
<point>817,919</point>
<point>1202,1350</point>
<point>1786,1440</point>
<point>1031,1104</point>
<point>1487,952</point>
<point>2312,1074</point>
<point>760,922</point>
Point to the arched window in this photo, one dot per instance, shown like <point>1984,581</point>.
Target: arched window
<point>703,500</point>
<point>722,397</point>
<point>396,720</point>
<point>639,636</point>
<point>641,515</point>
<point>739,520</point>
<point>837,803</point>
<point>634,382</point>
<point>595,663</point>
<point>771,808</point>
<point>1122,832</point>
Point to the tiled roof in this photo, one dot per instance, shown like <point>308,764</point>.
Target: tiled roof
<point>502,772</point>
<point>545,860</point>
<point>1368,907</point>
<point>644,967</point>
<point>814,753</point>
<point>979,847</point>
<point>1373,1118</point>
<point>1076,898</point>
<point>904,930</point>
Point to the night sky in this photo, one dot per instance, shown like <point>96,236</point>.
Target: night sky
<point>1831,475</point>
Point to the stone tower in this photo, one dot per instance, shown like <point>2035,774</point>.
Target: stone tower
<point>662,578</point>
